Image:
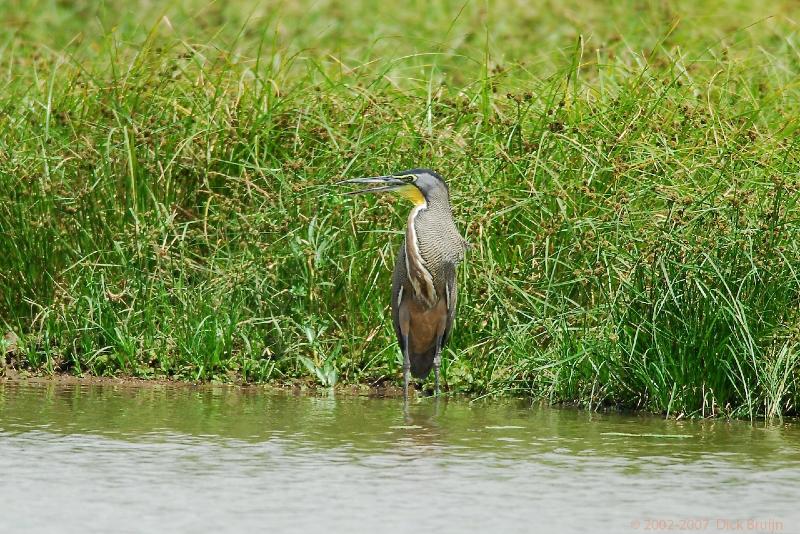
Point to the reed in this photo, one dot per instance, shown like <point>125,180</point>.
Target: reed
<point>626,174</point>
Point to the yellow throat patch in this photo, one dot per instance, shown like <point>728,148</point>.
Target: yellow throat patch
<point>411,193</point>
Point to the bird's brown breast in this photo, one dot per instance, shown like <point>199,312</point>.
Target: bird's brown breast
<point>426,324</point>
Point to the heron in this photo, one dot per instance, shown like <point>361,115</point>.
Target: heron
<point>424,282</point>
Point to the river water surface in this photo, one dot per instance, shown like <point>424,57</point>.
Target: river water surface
<point>112,458</point>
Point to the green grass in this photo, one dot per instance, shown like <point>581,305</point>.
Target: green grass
<point>628,176</point>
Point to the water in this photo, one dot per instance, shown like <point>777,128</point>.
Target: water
<point>105,458</point>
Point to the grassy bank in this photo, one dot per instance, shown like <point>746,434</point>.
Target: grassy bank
<point>626,174</point>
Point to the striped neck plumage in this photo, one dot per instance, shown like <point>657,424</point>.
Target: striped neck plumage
<point>418,273</point>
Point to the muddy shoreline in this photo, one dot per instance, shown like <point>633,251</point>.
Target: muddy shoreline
<point>12,376</point>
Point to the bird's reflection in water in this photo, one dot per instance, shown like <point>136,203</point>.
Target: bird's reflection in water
<point>422,421</point>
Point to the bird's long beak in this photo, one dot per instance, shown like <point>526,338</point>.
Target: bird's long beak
<point>381,183</point>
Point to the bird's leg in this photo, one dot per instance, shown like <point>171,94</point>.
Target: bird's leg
<point>437,362</point>
<point>406,369</point>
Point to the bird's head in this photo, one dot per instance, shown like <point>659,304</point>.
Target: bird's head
<point>421,186</point>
